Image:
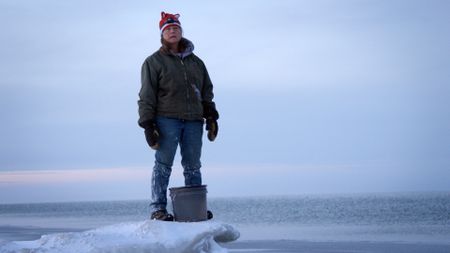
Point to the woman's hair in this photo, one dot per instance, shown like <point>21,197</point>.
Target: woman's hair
<point>181,44</point>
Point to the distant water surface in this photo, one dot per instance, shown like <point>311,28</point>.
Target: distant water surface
<point>404,217</point>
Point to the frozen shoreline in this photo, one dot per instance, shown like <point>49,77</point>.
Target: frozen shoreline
<point>15,233</point>
<point>29,233</point>
<point>294,246</point>
<point>131,237</point>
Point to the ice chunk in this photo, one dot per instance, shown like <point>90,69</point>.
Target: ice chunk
<point>134,237</point>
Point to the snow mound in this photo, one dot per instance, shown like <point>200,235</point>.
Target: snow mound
<point>134,237</point>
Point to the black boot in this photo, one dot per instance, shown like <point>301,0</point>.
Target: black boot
<point>162,215</point>
<point>209,214</point>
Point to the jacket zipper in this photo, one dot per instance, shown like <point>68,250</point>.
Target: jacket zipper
<point>186,81</point>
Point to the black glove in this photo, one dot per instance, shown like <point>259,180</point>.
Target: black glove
<point>209,110</point>
<point>152,135</point>
<point>213,128</point>
<point>211,115</point>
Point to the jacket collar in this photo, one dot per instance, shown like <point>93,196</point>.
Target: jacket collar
<point>186,45</point>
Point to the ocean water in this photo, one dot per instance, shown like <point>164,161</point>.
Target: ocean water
<point>396,217</point>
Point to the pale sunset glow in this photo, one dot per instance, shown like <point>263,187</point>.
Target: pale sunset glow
<point>72,176</point>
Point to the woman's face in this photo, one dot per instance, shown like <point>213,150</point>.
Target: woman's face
<point>172,34</point>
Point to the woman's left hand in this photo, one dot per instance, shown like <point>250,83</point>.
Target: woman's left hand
<point>213,128</point>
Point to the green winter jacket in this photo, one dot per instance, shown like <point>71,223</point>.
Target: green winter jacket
<point>174,86</point>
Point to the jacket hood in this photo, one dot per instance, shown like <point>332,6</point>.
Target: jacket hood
<point>187,48</point>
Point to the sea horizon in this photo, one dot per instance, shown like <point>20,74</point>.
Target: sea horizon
<point>211,196</point>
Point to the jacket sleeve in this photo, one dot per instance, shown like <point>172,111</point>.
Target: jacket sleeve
<point>207,91</point>
<point>209,107</point>
<point>147,95</point>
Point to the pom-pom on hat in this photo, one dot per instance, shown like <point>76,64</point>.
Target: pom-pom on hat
<point>167,20</point>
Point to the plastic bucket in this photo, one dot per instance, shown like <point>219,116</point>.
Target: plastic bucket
<point>189,203</point>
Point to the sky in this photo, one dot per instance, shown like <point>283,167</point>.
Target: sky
<point>315,97</point>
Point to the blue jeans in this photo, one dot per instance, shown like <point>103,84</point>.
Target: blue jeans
<point>174,132</point>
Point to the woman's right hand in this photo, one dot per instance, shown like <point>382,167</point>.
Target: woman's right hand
<point>152,136</point>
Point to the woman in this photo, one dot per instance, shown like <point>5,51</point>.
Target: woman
<point>175,98</point>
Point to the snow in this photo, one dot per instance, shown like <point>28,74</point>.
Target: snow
<point>134,237</point>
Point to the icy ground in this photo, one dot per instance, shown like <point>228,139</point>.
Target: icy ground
<point>133,237</point>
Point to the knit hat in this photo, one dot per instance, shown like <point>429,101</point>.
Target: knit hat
<point>167,20</point>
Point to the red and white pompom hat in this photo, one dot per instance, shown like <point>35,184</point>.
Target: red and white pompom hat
<point>167,20</point>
